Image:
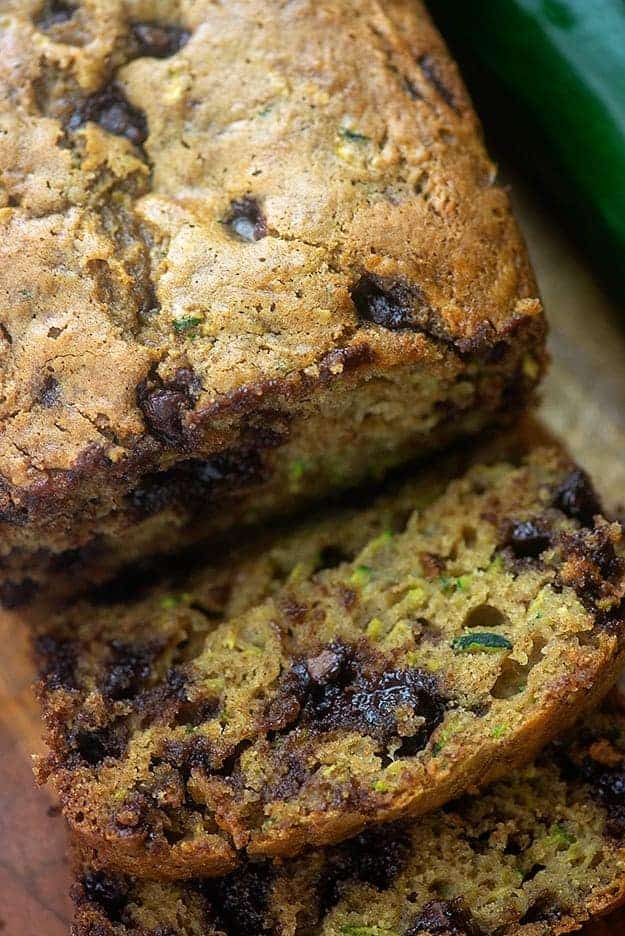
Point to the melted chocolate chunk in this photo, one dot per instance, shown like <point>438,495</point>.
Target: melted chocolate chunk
<point>17,594</point>
<point>198,712</point>
<point>159,41</point>
<point>162,703</point>
<point>240,900</point>
<point>246,220</point>
<point>445,918</point>
<point>576,497</point>
<point>608,783</point>
<point>591,563</point>
<point>185,756</point>
<point>336,691</point>
<point>294,772</point>
<point>528,539</point>
<point>56,661</point>
<point>375,857</point>
<point>107,892</point>
<point>72,558</point>
<point>612,619</point>
<point>169,703</point>
<point>114,113</point>
<point>389,303</point>
<point>598,549</point>
<point>129,667</point>
<point>198,482</point>
<point>163,405</point>
<point>54,13</point>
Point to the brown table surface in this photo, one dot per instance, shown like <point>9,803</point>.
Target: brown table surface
<point>584,402</point>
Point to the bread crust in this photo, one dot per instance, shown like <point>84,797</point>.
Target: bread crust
<point>202,250</point>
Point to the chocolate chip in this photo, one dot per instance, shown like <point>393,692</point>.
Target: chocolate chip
<point>17,594</point>
<point>198,481</point>
<point>576,497</point>
<point>246,220</point>
<point>606,782</point>
<point>608,785</point>
<point>128,668</point>
<point>159,41</point>
<point>390,303</point>
<point>108,892</point>
<point>611,619</point>
<point>54,13</point>
<point>240,900</point>
<point>163,702</point>
<point>445,918</point>
<point>591,563</point>
<point>56,661</point>
<point>376,704</point>
<point>527,539</point>
<point>163,404</point>
<point>197,712</point>
<point>431,73</point>
<point>49,393</point>
<point>337,690</point>
<point>375,857</point>
<point>110,109</point>
<point>185,756</point>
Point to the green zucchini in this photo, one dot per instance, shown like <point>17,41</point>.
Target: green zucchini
<point>549,75</point>
<point>480,642</point>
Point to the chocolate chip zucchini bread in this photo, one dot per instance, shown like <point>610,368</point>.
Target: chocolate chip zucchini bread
<point>445,653</point>
<point>534,855</point>
<point>249,251</point>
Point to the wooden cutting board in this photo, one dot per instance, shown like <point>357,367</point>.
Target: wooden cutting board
<point>584,403</point>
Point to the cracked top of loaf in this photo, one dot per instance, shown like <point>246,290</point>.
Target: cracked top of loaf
<point>206,204</point>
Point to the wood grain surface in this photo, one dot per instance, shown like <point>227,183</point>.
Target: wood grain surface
<point>584,403</point>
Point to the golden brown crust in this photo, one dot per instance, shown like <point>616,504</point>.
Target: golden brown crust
<point>274,198</point>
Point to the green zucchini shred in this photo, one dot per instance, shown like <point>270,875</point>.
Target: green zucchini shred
<point>481,642</point>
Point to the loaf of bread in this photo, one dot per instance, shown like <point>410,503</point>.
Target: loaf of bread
<point>535,855</point>
<point>249,253</point>
<point>246,714</point>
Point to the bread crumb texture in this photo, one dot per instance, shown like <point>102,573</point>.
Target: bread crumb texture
<point>358,672</point>
<point>534,855</point>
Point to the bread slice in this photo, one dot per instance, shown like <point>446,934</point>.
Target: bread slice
<point>249,252</point>
<point>445,654</point>
<point>539,853</point>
